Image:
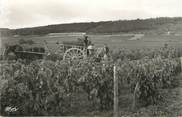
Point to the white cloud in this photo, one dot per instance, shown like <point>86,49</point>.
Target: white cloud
<point>27,13</point>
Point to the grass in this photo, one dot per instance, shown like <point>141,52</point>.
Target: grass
<point>113,41</point>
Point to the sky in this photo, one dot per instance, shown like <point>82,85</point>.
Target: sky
<point>30,13</point>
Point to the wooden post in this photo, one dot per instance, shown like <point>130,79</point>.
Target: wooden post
<point>115,93</point>
<point>4,54</point>
<point>181,63</point>
<point>135,97</point>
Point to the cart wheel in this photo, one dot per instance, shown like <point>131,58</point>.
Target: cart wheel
<point>74,54</point>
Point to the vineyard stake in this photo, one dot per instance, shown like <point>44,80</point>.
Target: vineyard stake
<point>181,63</point>
<point>115,93</point>
<point>134,96</point>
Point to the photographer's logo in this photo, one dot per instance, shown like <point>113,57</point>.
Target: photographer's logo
<point>11,109</point>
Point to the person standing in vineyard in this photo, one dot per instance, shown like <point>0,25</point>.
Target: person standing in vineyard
<point>106,50</point>
<point>85,41</point>
<point>90,49</point>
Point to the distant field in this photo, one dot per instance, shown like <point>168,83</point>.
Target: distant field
<point>113,41</point>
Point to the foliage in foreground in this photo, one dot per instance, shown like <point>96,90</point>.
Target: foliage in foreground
<point>137,54</point>
<point>151,75</point>
<point>45,87</point>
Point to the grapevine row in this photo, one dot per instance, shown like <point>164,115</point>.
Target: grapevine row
<point>45,87</point>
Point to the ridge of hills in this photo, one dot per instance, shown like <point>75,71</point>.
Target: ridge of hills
<point>146,26</point>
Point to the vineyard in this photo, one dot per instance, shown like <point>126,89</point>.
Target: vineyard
<point>47,87</point>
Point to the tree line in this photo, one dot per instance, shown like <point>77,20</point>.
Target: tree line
<point>125,26</point>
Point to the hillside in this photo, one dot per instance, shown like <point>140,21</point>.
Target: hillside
<point>158,25</point>
<point>153,25</point>
<point>5,32</point>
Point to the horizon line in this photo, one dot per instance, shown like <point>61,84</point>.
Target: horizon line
<point>89,22</point>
